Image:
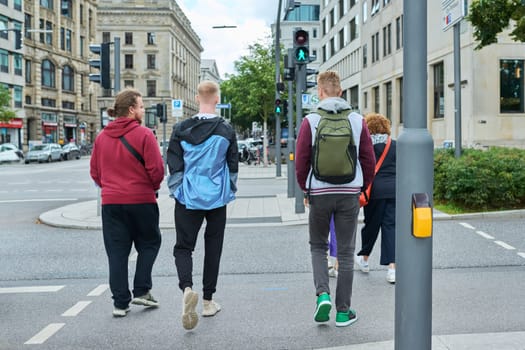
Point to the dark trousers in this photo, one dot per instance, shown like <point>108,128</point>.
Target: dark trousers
<point>380,214</point>
<point>122,226</point>
<point>187,224</point>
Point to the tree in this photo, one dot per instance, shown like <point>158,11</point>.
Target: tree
<point>6,114</point>
<point>251,90</point>
<point>491,17</point>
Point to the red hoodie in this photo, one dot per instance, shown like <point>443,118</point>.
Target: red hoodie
<point>123,179</point>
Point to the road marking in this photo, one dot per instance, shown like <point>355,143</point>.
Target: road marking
<point>39,289</point>
<point>45,333</point>
<point>39,200</point>
<point>76,309</point>
<point>504,245</point>
<point>98,291</point>
<point>464,224</point>
<point>522,255</point>
<point>18,183</point>
<point>484,235</point>
<point>133,257</point>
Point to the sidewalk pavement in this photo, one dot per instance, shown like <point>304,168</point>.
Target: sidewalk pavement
<point>278,210</point>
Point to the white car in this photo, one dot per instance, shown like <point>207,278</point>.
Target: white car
<point>10,153</point>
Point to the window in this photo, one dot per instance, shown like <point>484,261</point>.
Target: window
<point>68,79</point>
<point>387,34</point>
<point>4,2</point>
<point>106,37</point>
<point>376,99</point>
<point>314,33</point>
<point>352,3</point>
<point>17,58</point>
<point>81,14</point>
<point>151,62</point>
<point>128,61</point>
<point>47,4</point>
<point>365,99</point>
<point>62,39</point>
<point>151,88</point>
<point>28,72</point>
<point>48,102</point>
<point>17,96</point>
<point>341,8</point>
<point>28,25</point>
<point>439,96</point>
<point>375,7</point>
<point>399,32</point>
<point>377,48</point>
<point>129,83</point>
<point>151,39</point>
<point>4,23</point>
<point>128,38</point>
<point>354,97</point>
<point>68,40</point>
<point>332,18</point>
<point>353,29</point>
<point>364,56</point>
<point>28,99</point>
<point>42,34</point>
<point>49,34</point>
<point>66,7</point>
<point>4,61</point>
<point>324,26</point>
<point>68,105</point>
<point>388,93</point>
<point>511,86</point>
<point>365,11</point>
<point>82,44</point>
<point>48,74</point>
<point>341,39</point>
<point>17,5</point>
<point>332,46</point>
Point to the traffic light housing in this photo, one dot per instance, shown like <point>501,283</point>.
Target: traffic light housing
<point>278,107</point>
<point>301,46</point>
<point>18,39</point>
<point>103,64</point>
<point>161,112</point>
<point>285,107</point>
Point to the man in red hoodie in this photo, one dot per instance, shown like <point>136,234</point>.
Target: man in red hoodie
<point>127,165</point>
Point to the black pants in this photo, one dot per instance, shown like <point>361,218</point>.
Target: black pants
<point>122,226</point>
<point>187,224</point>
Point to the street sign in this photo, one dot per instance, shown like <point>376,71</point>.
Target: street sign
<point>176,108</point>
<point>309,101</point>
<point>223,106</point>
<point>453,11</point>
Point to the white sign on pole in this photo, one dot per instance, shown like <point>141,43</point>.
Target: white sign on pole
<point>176,108</point>
<point>453,11</point>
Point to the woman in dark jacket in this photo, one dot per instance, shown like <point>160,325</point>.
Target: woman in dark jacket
<point>380,213</point>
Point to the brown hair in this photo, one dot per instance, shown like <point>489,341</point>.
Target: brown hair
<point>207,90</point>
<point>330,83</point>
<point>377,124</point>
<point>125,99</point>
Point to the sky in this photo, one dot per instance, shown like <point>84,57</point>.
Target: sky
<point>253,19</point>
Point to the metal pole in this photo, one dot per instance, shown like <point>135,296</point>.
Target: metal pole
<point>277,94</point>
<point>414,168</point>
<point>116,84</point>
<point>291,134</point>
<point>457,90</point>
<point>299,83</point>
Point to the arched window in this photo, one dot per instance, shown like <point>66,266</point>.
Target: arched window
<point>48,74</point>
<point>68,78</point>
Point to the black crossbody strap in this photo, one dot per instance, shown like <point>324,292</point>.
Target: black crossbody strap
<point>132,150</point>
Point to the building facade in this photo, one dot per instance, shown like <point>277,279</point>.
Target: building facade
<point>492,79</point>
<point>159,55</point>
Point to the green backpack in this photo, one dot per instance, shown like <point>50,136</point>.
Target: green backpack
<point>334,153</point>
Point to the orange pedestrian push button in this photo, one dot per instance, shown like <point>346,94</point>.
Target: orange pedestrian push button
<point>421,215</point>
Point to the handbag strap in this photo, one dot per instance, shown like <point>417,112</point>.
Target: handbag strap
<point>132,150</point>
<point>383,155</point>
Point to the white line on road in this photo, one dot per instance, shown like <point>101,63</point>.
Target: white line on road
<point>484,235</point>
<point>45,333</point>
<point>18,183</point>
<point>522,255</point>
<point>464,224</point>
<point>76,309</point>
<point>39,200</point>
<point>98,291</point>
<point>38,289</point>
<point>133,257</point>
<point>504,245</point>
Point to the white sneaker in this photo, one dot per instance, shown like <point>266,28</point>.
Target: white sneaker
<point>120,312</point>
<point>361,263</point>
<point>189,303</point>
<point>391,276</point>
<point>210,308</point>
<point>332,272</point>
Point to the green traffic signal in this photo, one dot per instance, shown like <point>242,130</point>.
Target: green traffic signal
<point>301,55</point>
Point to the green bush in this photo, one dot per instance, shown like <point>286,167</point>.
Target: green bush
<point>480,179</point>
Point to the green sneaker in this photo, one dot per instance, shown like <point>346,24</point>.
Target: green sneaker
<point>343,319</point>
<point>322,311</point>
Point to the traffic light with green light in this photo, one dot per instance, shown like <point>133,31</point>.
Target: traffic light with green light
<point>278,106</point>
<point>301,46</point>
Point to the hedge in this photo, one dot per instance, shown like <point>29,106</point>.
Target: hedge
<point>480,179</point>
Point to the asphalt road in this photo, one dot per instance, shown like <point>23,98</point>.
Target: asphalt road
<point>265,286</point>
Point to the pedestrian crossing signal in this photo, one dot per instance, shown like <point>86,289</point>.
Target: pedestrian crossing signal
<point>301,46</point>
<point>278,106</point>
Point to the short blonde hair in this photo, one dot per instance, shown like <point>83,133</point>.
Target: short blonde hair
<point>330,83</point>
<point>377,124</point>
<point>207,90</point>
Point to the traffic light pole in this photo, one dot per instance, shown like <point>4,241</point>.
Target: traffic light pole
<point>291,132</point>
<point>277,94</point>
<point>116,84</point>
<point>414,169</point>
<point>299,204</point>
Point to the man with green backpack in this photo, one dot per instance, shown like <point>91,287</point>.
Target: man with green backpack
<point>334,161</point>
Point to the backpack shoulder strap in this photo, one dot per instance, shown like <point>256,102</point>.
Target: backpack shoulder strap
<point>132,150</point>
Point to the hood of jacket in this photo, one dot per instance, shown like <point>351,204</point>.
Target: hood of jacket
<point>196,130</point>
<point>120,126</point>
<point>333,105</point>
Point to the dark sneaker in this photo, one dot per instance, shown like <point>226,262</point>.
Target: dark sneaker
<point>343,319</point>
<point>322,310</point>
<point>145,300</point>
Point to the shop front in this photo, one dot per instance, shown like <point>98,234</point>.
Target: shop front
<point>11,132</point>
<point>49,128</point>
<point>70,129</point>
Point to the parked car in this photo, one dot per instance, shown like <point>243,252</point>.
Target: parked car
<point>45,152</point>
<point>70,151</point>
<point>10,153</point>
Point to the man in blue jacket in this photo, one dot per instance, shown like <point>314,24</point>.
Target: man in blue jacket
<point>203,164</point>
